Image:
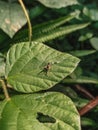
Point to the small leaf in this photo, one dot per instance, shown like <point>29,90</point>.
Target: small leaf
<point>80,53</point>
<point>91,13</point>
<point>81,79</point>
<point>94,42</point>
<point>26,66</point>
<point>58,4</point>
<point>22,113</point>
<point>12,17</point>
<point>86,36</point>
<point>36,11</point>
<point>88,122</point>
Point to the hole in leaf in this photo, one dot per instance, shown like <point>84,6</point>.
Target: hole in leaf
<point>45,118</point>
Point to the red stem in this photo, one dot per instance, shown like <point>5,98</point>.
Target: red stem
<point>93,103</point>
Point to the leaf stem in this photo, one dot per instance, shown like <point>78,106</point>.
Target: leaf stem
<point>28,19</point>
<point>4,86</point>
<point>84,91</point>
<point>93,103</point>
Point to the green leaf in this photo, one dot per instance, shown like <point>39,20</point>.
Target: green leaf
<point>61,31</point>
<point>91,13</point>
<point>36,11</point>
<point>49,111</point>
<point>94,42</point>
<point>26,66</point>
<point>52,24</point>
<point>88,122</point>
<point>58,4</point>
<point>81,79</point>
<point>86,36</point>
<point>43,27</point>
<point>12,17</point>
<point>80,53</point>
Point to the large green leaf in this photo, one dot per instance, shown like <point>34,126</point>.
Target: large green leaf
<point>12,17</point>
<point>49,111</point>
<point>26,66</point>
<point>58,4</point>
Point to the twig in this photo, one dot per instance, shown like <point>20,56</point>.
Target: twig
<point>28,19</point>
<point>5,89</point>
<point>93,103</point>
<point>84,91</point>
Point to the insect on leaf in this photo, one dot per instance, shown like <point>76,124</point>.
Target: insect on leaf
<point>25,66</point>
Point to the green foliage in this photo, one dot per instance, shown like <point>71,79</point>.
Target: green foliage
<point>47,66</point>
<point>81,79</point>
<point>58,4</point>
<point>42,29</point>
<point>58,32</point>
<point>94,42</point>
<point>25,66</point>
<point>91,13</point>
<point>50,25</point>
<point>29,111</point>
<point>11,17</point>
<point>50,30</point>
<point>89,122</point>
<point>81,53</point>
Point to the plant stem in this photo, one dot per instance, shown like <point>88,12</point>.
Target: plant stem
<point>5,89</point>
<point>93,103</point>
<point>84,91</point>
<point>28,19</point>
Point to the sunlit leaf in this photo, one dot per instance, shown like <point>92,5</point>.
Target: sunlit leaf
<point>49,111</point>
<point>91,13</point>
<point>80,53</point>
<point>94,42</point>
<point>35,67</point>
<point>81,79</point>
<point>12,17</point>
<point>58,4</point>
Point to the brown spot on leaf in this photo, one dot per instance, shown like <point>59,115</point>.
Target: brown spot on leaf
<point>14,28</point>
<point>7,21</point>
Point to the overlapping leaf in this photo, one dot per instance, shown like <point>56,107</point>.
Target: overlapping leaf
<point>12,17</point>
<point>35,67</point>
<point>49,111</point>
<point>94,42</point>
<point>40,29</point>
<point>58,4</point>
<point>81,79</point>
